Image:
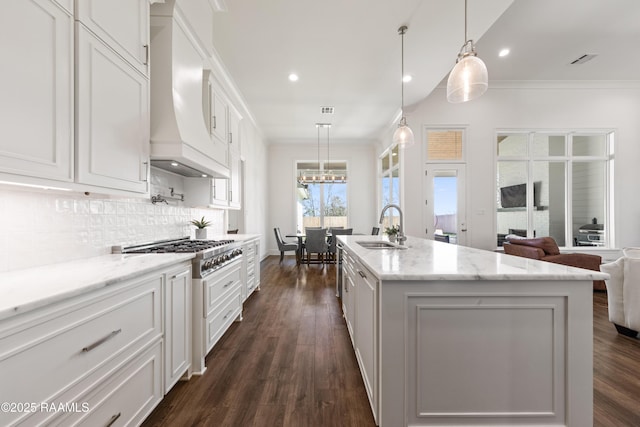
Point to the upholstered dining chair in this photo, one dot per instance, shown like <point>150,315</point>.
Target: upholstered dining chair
<point>375,231</point>
<point>332,244</point>
<point>284,246</point>
<point>316,243</point>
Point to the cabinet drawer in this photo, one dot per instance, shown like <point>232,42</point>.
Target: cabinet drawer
<point>218,323</point>
<point>219,285</point>
<point>58,351</point>
<point>251,285</point>
<point>127,397</point>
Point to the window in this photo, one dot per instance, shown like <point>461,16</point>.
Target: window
<point>444,145</point>
<point>321,204</point>
<point>555,184</point>
<point>390,185</point>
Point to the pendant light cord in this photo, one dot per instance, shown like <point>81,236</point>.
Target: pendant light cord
<point>328,128</point>
<point>465,22</point>
<point>318,127</point>
<point>402,31</point>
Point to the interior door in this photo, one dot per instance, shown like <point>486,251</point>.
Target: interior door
<point>445,206</point>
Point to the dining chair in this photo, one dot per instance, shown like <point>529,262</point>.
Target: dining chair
<point>375,231</point>
<point>316,243</point>
<point>232,231</point>
<point>284,246</point>
<point>332,244</point>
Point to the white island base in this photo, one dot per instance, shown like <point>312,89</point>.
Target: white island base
<point>509,345</point>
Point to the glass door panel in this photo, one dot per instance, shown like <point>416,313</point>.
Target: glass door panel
<point>446,212</point>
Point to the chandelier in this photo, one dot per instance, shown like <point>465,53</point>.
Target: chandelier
<point>322,175</point>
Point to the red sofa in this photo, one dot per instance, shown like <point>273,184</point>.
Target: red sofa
<point>546,249</point>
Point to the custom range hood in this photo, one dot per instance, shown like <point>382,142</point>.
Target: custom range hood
<point>180,141</point>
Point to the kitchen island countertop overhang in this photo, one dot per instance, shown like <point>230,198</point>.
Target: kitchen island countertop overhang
<point>430,260</point>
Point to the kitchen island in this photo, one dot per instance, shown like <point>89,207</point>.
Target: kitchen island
<point>449,335</point>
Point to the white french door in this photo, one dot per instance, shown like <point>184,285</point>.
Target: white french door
<point>445,206</point>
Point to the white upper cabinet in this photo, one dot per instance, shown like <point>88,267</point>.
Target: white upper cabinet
<point>112,118</point>
<point>219,116</point>
<point>234,130</point>
<point>122,24</point>
<point>216,116</point>
<point>235,163</point>
<point>36,39</point>
<point>235,181</point>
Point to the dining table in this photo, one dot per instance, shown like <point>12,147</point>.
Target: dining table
<point>300,237</point>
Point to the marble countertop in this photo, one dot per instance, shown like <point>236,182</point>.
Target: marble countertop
<point>430,260</point>
<point>25,290</point>
<point>236,237</point>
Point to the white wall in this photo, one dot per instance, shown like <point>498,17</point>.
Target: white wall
<point>256,189</point>
<point>362,185</point>
<point>549,107</point>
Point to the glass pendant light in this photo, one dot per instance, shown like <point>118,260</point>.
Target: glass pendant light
<point>469,78</point>
<point>403,136</point>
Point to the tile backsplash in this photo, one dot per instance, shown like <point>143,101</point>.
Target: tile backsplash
<point>46,227</point>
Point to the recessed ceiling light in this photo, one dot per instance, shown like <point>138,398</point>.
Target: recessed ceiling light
<point>407,78</point>
<point>293,77</point>
<point>503,52</point>
<point>204,175</point>
<point>174,164</point>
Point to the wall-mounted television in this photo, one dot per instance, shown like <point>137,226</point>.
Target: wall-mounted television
<point>515,196</point>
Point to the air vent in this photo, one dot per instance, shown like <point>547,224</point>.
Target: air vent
<point>327,110</point>
<point>584,58</point>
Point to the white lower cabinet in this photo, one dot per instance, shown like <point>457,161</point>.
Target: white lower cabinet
<point>251,260</point>
<point>107,356</point>
<point>360,305</point>
<point>217,303</point>
<point>177,325</point>
<point>348,291</point>
<point>126,398</point>
<point>365,331</point>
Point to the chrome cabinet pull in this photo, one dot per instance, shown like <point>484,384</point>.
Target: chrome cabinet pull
<point>362,274</point>
<point>227,285</point>
<point>214,122</point>
<point>113,419</point>
<point>227,315</point>
<point>146,54</point>
<point>145,172</point>
<point>101,341</point>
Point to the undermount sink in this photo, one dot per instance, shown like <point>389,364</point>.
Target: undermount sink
<point>380,245</point>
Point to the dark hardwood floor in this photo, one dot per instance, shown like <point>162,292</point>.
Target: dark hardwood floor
<point>290,363</point>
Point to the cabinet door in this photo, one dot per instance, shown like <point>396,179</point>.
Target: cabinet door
<point>122,24</point>
<point>220,192</point>
<point>219,116</point>
<point>177,325</point>
<point>234,131</point>
<point>235,182</point>
<point>365,330</point>
<point>112,118</point>
<point>348,292</point>
<point>37,90</point>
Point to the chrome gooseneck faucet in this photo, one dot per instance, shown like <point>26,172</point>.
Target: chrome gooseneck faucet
<point>401,237</point>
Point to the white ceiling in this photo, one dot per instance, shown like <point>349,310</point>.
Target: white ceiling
<point>347,54</point>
